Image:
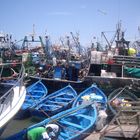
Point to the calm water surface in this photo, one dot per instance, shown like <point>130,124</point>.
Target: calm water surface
<point>17,125</point>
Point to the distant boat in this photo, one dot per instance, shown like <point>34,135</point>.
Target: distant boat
<point>35,93</point>
<point>108,68</point>
<point>75,123</point>
<point>60,73</point>
<point>54,103</point>
<point>92,93</point>
<point>12,93</point>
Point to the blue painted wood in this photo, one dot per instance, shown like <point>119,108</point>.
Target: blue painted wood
<point>75,123</point>
<point>92,93</point>
<point>35,93</point>
<point>57,72</point>
<point>54,103</point>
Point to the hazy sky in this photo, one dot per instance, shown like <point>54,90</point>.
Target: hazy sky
<point>60,17</point>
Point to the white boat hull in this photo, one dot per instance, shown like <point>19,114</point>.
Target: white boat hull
<point>11,105</point>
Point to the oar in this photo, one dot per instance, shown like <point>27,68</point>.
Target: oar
<point>73,111</point>
<point>57,95</point>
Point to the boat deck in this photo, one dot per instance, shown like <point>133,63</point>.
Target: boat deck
<point>115,132</point>
<point>125,131</point>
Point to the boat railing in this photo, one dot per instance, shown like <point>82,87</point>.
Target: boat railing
<point>7,97</point>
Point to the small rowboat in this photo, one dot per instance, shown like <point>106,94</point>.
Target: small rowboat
<point>35,93</point>
<point>54,103</point>
<point>75,123</point>
<point>92,93</point>
<point>120,97</point>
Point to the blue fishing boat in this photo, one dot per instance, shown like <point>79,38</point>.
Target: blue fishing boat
<point>54,103</point>
<point>92,93</point>
<point>96,95</point>
<point>35,93</point>
<point>75,123</point>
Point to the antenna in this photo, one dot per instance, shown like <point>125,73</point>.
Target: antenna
<point>139,29</point>
<point>33,32</point>
<point>62,42</point>
<point>45,32</point>
<point>33,29</point>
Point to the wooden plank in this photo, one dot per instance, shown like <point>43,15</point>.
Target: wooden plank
<point>128,130</point>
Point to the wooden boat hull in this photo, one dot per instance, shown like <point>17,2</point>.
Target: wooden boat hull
<point>75,123</point>
<point>35,93</point>
<point>54,103</point>
<point>107,84</point>
<point>120,93</point>
<point>56,84</point>
<point>92,93</point>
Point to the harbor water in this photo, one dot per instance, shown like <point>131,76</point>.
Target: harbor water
<point>16,125</point>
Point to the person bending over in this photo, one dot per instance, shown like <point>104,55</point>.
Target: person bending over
<point>49,132</point>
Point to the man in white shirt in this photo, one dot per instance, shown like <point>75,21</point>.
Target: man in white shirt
<point>52,131</point>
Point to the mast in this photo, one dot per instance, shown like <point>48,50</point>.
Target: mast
<point>121,43</point>
<point>68,44</point>
<point>76,40</point>
<point>118,32</point>
<point>109,45</point>
<point>33,34</point>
